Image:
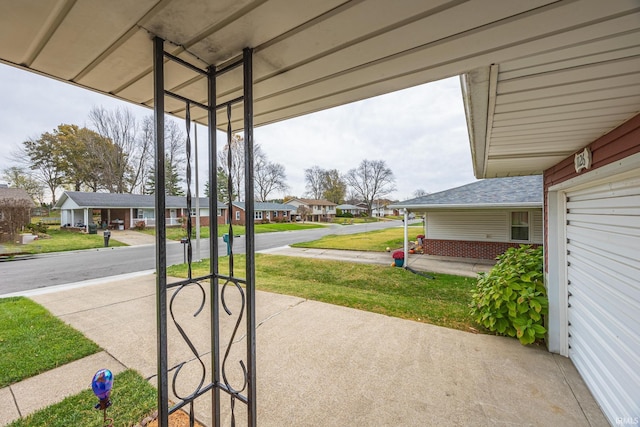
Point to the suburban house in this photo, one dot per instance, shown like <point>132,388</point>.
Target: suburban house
<point>583,137</point>
<point>15,211</point>
<point>264,212</point>
<point>351,209</point>
<point>481,219</point>
<point>319,210</point>
<point>123,211</point>
<point>550,88</point>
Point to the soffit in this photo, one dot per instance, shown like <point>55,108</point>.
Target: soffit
<point>310,56</point>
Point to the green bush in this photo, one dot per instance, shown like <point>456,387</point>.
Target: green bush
<point>511,299</point>
<point>38,228</point>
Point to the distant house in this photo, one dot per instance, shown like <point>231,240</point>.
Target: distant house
<point>15,211</point>
<point>481,219</point>
<point>319,210</point>
<point>123,211</point>
<point>264,212</point>
<point>352,209</point>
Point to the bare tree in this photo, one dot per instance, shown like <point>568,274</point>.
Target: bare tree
<point>419,193</point>
<point>121,128</point>
<point>142,161</point>
<point>234,167</point>
<point>372,179</point>
<point>268,177</point>
<point>303,211</point>
<point>314,176</point>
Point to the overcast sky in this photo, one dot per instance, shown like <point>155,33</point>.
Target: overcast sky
<point>419,132</point>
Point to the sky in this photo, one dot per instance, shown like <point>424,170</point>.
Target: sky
<point>419,132</point>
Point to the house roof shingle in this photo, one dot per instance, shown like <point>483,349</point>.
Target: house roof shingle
<point>511,191</point>
<point>15,196</point>
<point>116,200</point>
<point>314,202</point>
<point>267,206</point>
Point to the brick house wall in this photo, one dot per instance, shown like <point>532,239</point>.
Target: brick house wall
<point>467,249</point>
<point>621,142</point>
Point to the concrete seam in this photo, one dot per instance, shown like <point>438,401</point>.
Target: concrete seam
<point>236,341</point>
<point>115,358</point>
<point>107,305</point>
<point>15,401</point>
<point>566,380</point>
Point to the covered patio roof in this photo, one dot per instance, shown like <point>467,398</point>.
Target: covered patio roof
<point>533,63</point>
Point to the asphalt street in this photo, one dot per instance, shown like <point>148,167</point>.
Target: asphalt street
<point>70,267</point>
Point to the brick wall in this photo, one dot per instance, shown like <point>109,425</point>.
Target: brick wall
<point>467,249</point>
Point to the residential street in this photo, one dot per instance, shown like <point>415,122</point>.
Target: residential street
<point>70,267</point>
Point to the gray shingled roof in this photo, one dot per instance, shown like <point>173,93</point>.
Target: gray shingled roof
<point>15,197</point>
<point>525,190</point>
<point>267,206</point>
<point>115,200</point>
<point>348,206</point>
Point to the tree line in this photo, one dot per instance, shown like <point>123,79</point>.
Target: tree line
<point>118,156</point>
<point>371,180</point>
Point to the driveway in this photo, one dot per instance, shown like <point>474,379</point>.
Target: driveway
<point>324,365</point>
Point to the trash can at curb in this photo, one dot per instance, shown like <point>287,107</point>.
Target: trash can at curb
<point>106,234</point>
<point>93,228</point>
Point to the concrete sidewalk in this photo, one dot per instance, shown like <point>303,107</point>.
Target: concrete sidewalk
<point>323,365</point>
<point>428,263</point>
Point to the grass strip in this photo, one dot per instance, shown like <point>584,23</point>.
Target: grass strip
<point>379,289</point>
<point>62,241</point>
<point>133,398</point>
<point>374,241</point>
<point>32,341</point>
<point>176,233</point>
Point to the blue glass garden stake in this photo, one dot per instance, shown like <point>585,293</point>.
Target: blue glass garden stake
<point>101,385</point>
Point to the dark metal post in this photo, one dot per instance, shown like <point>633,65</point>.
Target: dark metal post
<point>213,246</point>
<point>161,235</point>
<point>250,236</point>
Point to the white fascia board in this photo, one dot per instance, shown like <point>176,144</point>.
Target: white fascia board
<point>469,206</point>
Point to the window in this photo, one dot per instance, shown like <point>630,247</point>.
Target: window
<point>275,214</point>
<point>237,215</point>
<point>193,211</point>
<point>219,212</point>
<point>520,226</point>
<point>257,215</point>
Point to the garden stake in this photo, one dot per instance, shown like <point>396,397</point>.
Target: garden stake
<point>101,385</point>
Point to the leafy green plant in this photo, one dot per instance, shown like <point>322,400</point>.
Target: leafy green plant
<point>38,228</point>
<point>511,299</point>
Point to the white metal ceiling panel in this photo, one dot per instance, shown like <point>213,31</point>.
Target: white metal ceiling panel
<point>80,37</point>
<point>309,56</point>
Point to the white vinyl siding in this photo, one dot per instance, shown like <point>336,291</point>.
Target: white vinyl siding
<point>603,288</point>
<point>488,225</point>
<point>536,233</point>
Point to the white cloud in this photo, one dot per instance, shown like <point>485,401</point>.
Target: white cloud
<point>420,132</point>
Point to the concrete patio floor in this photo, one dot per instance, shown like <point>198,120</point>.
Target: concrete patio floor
<point>324,365</point>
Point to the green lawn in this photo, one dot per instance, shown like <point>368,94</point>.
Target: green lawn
<point>62,240</point>
<point>379,289</point>
<point>355,220</point>
<point>132,399</point>
<point>176,233</point>
<point>33,341</point>
<point>375,241</point>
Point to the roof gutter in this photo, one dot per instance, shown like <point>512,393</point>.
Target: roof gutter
<point>478,94</point>
<point>419,207</point>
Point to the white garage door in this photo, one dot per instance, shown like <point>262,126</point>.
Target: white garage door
<point>603,254</point>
